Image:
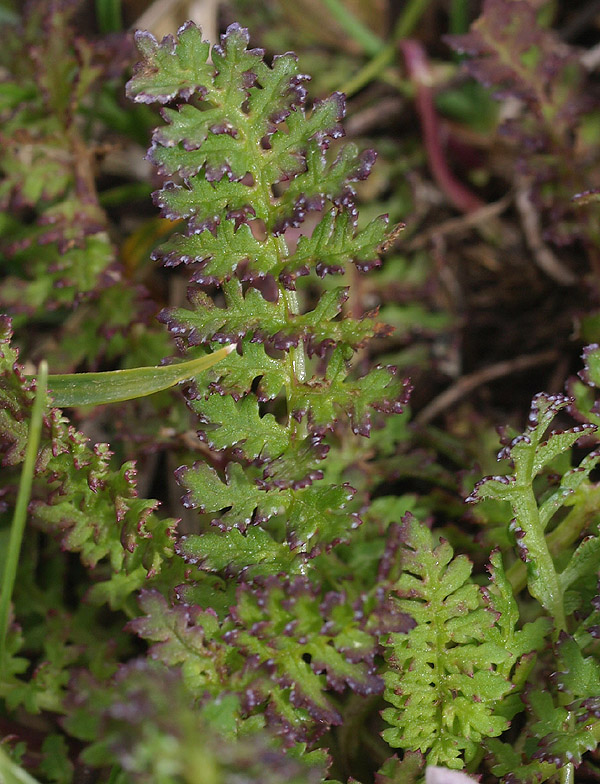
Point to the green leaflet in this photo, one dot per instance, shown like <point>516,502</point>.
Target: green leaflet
<point>445,676</point>
<point>334,240</point>
<point>185,636</point>
<point>239,424</point>
<point>168,71</point>
<point>252,314</point>
<point>562,724</point>
<point>114,386</point>
<point>255,553</point>
<point>305,642</point>
<point>324,178</point>
<point>313,518</point>
<point>236,373</point>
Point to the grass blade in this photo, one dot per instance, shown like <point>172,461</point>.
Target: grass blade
<point>115,386</point>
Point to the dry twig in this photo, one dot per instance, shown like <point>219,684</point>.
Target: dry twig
<point>465,385</point>
<point>461,223</point>
<point>543,256</point>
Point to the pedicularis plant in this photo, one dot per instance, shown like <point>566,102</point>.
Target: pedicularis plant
<point>278,627</point>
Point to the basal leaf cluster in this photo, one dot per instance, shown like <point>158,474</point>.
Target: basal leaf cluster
<point>326,608</point>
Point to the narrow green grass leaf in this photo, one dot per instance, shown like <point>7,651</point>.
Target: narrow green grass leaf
<point>109,16</point>
<point>114,386</point>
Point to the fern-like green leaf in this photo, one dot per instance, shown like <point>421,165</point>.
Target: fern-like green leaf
<point>305,643</point>
<point>281,649</point>
<point>444,679</point>
<point>253,161</point>
<point>308,519</point>
<point>530,455</point>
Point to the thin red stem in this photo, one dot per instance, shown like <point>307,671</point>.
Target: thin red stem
<point>418,68</point>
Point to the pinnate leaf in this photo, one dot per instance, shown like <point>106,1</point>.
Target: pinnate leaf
<point>324,399</point>
<point>513,53</point>
<point>443,681</point>
<point>306,643</point>
<point>183,635</point>
<point>313,517</point>
<point>335,242</point>
<point>168,70</point>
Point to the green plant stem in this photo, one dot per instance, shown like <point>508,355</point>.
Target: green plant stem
<point>409,18</point>
<point>366,38</point>
<point>20,514</point>
<point>369,72</point>
<point>564,535</point>
<point>124,194</point>
<point>108,14</point>
<point>297,354</point>
<point>458,21</point>
<point>546,588</point>
<point>297,365</point>
<point>384,57</point>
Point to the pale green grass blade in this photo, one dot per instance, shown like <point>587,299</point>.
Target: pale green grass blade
<point>114,386</point>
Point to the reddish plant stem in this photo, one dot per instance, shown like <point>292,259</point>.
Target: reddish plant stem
<point>418,69</point>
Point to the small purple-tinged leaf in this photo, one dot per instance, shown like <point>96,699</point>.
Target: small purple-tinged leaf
<point>175,67</point>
